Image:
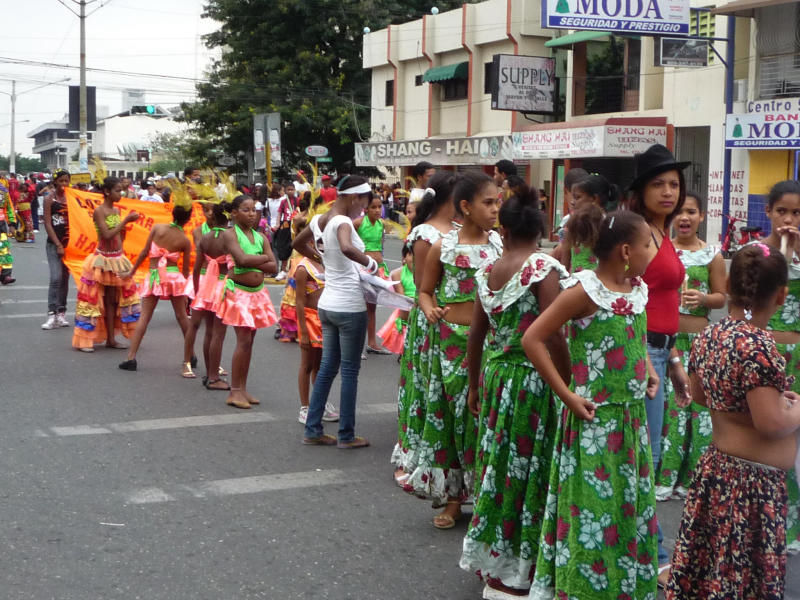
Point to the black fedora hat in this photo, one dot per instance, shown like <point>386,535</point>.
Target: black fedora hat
<point>655,160</point>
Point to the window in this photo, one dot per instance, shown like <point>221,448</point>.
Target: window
<point>702,23</point>
<point>418,80</point>
<point>488,74</point>
<point>778,53</point>
<point>389,100</point>
<point>454,89</point>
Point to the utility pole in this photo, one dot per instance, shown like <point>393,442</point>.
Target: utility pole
<point>83,144</point>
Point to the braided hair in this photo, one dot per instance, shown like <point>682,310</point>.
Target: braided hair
<point>757,272</point>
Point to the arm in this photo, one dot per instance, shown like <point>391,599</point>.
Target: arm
<point>430,279</point>
<point>145,251</point>
<point>420,250</point>
<point>698,393</point>
<point>187,257</point>
<point>300,279</point>
<point>48,224</point>
<point>395,276</point>
<point>548,290</point>
<point>347,248</point>
<point>680,381</point>
<point>561,254</point>
<point>232,247</point>
<point>304,244</point>
<point>477,335</point>
<point>268,263</point>
<point>198,263</point>
<point>692,299</point>
<point>775,414</point>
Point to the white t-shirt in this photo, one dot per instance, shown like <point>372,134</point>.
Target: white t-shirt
<point>302,186</point>
<point>148,198</point>
<point>342,292</point>
<point>274,205</point>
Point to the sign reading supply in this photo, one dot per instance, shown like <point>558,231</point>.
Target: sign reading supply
<point>767,124</point>
<point>448,151</point>
<point>679,52</point>
<point>524,83</point>
<point>642,16</point>
<point>585,142</point>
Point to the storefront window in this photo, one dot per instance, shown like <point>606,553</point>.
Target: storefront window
<point>778,52</point>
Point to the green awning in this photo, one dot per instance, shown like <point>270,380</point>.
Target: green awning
<point>574,38</point>
<point>446,72</point>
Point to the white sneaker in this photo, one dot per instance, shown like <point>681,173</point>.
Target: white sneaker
<point>52,322</point>
<point>61,320</point>
<point>330,415</point>
<point>280,276</point>
<point>303,415</point>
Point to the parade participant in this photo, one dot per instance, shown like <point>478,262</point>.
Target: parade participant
<point>516,411</point>
<point>444,471</point>
<point>27,193</point>
<point>279,216</point>
<point>598,534</point>
<point>8,224</point>
<point>658,194</point>
<point>107,301</point>
<point>687,430</point>
<point>571,177</point>
<point>433,219</point>
<point>393,332</point>
<point>208,275</point>
<point>342,309</point>
<point>732,538</point>
<point>592,190</point>
<point>783,211</point>
<point>165,246</point>
<point>327,192</point>
<point>56,224</point>
<point>371,230</point>
<point>245,304</point>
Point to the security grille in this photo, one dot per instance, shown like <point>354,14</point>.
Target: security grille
<point>779,51</point>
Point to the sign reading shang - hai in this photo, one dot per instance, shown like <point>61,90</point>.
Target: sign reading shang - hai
<point>642,16</point>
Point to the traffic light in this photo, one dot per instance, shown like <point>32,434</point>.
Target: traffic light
<point>151,110</point>
<point>146,109</point>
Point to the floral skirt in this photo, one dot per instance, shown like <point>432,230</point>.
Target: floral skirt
<point>686,435</point>
<point>446,460</point>
<point>6,258</point>
<point>100,271</point>
<point>791,352</point>
<point>599,535</point>
<point>244,306</point>
<point>516,435</point>
<point>393,333</point>
<point>731,542</point>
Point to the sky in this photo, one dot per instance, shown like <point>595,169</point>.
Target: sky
<point>155,45</point>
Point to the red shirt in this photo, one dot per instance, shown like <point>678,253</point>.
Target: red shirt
<point>664,278</point>
<point>328,194</point>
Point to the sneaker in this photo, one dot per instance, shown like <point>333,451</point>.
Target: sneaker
<point>61,320</point>
<point>35,231</point>
<point>51,323</point>
<point>304,415</point>
<point>280,276</point>
<point>330,415</point>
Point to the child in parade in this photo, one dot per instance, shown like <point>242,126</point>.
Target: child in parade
<point>433,219</point>
<point>516,410</point>
<point>599,528</point>
<point>393,332</point>
<point>165,246</point>
<point>23,207</point>
<point>447,295</point>
<point>56,225</point>
<point>244,303</point>
<point>8,224</point>
<point>732,537</point>
<point>107,298</point>
<point>687,430</point>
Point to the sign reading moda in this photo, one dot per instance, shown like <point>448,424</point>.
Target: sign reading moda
<point>643,16</point>
<point>768,124</point>
<point>476,150</point>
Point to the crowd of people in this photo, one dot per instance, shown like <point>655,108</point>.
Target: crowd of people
<point>560,394</point>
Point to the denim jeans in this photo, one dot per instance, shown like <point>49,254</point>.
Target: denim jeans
<point>343,335</point>
<point>59,280</point>
<point>655,423</point>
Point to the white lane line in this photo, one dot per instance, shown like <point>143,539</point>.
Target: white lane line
<point>377,409</point>
<point>26,287</point>
<point>169,423</point>
<point>240,485</point>
<point>23,316</point>
<point>12,301</point>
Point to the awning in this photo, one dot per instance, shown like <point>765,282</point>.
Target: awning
<point>574,38</point>
<point>447,72</point>
<point>746,8</point>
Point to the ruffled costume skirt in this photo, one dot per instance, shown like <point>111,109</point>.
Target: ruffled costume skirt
<point>288,323</point>
<point>166,283</point>
<point>208,291</point>
<point>393,333</point>
<point>314,327</point>
<point>101,270</point>
<point>245,306</point>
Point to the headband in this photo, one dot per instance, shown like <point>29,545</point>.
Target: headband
<point>364,188</point>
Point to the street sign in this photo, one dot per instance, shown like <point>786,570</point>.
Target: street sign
<point>325,159</point>
<point>316,151</point>
<point>680,52</point>
<point>80,178</point>
<point>226,161</point>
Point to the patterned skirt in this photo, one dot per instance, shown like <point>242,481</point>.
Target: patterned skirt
<point>791,352</point>
<point>446,460</point>
<point>731,542</point>
<point>686,435</point>
<point>516,436</point>
<point>599,535</point>
<point>6,258</point>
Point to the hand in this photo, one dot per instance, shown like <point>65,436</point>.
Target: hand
<point>791,398</point>
<point>131,217</point>
<point>435,314</point>
<point>692,299</point>
<point>680,381</point>
<point>653,381</point>
<point>304,341</point>
<point>60,250</point>
<point>473,403</point>
<point>126,274</point>
<point>581,407</point>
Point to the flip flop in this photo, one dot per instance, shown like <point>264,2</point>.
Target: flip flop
<point>661,569</point>
<point>371,350</point>
<point>208,385</point>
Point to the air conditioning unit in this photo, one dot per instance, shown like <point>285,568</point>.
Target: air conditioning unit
<point>740,90</point>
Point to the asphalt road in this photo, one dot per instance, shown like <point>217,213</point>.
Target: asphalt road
<point>145,485</point>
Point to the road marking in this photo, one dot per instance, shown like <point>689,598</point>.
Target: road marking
<point>168,423</point>
<point>23,316</point>
<point>12,301</point>
<point>377,409</point>
<point>240,485</point>
<point>27,287</point>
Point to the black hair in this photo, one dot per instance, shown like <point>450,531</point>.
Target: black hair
<point>187,172</point>
<point>109,183</point>
<point>573,176</point>
<point>636,198</point>
<point>406,250</point>
<point>467,186</point>
<point>350,181</point>
<point>181,214</point>
<point>236,202</point>
<point>757,272</point>
<point>442,184</point>
<point>220,218</point>
<point>515,182</point>
<point>699,199</point>
<point>790,186</point>
<point>597,185</point>
<point>304,202</point>
<point>506,167</point>
<point>372,197</point>
<point>603,233</point>
<point>520,214</point>
<point>420,168</point>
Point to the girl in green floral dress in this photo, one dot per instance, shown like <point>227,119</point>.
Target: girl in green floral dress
<point>516,408</point>
<point>446,460</point>
<point>433,219</point>
<point>687,431</point>
<point>599,529</point>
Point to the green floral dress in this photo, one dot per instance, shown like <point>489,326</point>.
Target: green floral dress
<point>599,535</point>
<point>414,368</point>
<point>517,429</point>
<point>687,431</point>
<point>582,259</point>
<point>445,467</point>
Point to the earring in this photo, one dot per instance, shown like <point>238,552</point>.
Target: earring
<point>467,213</point>
<point>627,267</point>
<point>748,314</point>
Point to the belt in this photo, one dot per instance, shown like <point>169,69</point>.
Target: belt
<point>660,340</point>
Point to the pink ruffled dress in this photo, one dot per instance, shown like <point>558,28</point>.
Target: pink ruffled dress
<point>166,281</point>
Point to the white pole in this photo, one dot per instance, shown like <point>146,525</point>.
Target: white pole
<point>83,156</point>
<point>12,159</point>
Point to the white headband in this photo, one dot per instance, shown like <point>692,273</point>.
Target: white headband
<point>364,188</point>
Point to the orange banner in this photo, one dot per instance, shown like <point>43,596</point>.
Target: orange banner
<point>83,235</point>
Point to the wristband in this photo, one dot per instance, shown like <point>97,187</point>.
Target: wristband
<point>675,360</point>
<point>372,265</point>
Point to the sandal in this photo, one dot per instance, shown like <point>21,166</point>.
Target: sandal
<point>237,403</point>
<point>187,372</point>
<point>445,521</point>
<point>662,582</point>
<point>222,372</point>
<point>209,383</point>
<point>371,350</point>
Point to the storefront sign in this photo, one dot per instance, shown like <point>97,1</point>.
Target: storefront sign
<point>267,129</point>
<point>678,52</point>
<point>524,83</point>
<point>586,142</point>
<point>645,16</point>
<point>448,151</point>
<point>767,124</point>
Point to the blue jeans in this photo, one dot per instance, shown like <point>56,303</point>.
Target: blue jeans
<point>343,335</point>
<point>655,423</point>
<point>59,280</point>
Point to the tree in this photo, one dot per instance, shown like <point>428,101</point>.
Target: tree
<point>301,58</point>
<point>24,164</point>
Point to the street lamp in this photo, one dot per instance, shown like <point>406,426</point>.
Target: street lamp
<point>12,159</point>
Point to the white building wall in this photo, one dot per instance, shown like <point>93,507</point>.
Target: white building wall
<point>138,130</point>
